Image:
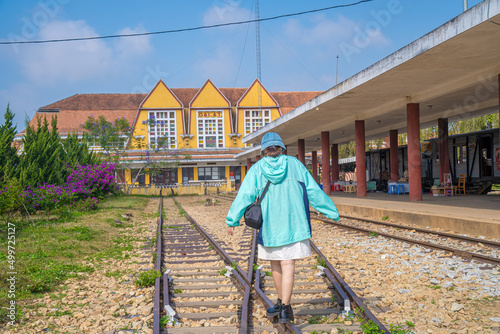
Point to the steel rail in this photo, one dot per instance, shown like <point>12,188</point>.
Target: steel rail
<point>239,273</point>
<point>442,234</point>
<point>157,295</point>
<point>457,252</point>
<point>356,301</point>
<point>283,328</point>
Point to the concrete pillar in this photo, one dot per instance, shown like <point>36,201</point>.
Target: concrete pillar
<point>359,132</point>
<point>249,163</point>
<point>393,155</point>
<point>314,158</point>
<point>325,161</point>
<point>414,155</point>
<point>443,148</point>
<point>257,158</point>
<point>302,151</point>
<point>335,162</point>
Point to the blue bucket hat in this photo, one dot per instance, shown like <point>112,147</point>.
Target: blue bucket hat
<point>271,139</point>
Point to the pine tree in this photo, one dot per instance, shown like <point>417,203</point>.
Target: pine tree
<point>8,152</point>
<point>77,152</point>
<point>41,159</point>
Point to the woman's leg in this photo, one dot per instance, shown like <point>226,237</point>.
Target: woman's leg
<point>287,277</point>
<point>277,276</point>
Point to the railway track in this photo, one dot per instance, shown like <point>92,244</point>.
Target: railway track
<point>194,295</point>
<point>481,250</point>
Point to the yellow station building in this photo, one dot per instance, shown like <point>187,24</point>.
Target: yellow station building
<point>204,127</point>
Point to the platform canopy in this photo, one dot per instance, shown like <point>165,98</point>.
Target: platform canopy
<point>452,72</point>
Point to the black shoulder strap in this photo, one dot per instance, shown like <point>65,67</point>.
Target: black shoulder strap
<point>264,192</point>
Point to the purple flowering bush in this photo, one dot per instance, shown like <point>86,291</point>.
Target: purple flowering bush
<point>84,185</point>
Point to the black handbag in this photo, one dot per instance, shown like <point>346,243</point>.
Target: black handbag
<point>253,213</point>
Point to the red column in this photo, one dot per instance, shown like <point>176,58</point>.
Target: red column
<point>249,163</point>
<point>393,155</point>
<point>499,105</point>
<point>325,161</point>
<point>443,148</point>
<point>335,162</point>
<point>414,155</point>
<point>302,151</point>
<point>257,158</point>
<point>359,132</point>
<point>315,165</point>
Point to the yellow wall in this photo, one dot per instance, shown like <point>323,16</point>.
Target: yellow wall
<point>160,97</point>
<point>195,173</point>
<point>209,97</point>
<point>251,99</point>
<point>179,175</point>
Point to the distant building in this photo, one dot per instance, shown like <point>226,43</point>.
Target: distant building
<point>207,124</point>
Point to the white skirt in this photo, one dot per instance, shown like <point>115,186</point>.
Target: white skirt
<point>297,250</point>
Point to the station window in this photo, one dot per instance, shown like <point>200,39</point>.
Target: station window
<point>187,174</point>
<point>211,173</point>
<point>210,129</point>
<point>255,119</point>
<point>141,180</point>
<point>461,154</point>
<point>162,130</point>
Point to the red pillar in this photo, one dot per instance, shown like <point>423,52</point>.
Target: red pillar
<point>499,105</point>
<point>393,155</point>
<point>257,158</point>
<point>335,162</point>
<point>314,156</point>
<point>302,151</point>
<point>359,130</point>
<point>443,148</point>
<point>325,161</point>
<point>414,155</point>
<point>249,163</point>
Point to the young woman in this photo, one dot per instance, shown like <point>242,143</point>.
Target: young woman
<point>286,227</point>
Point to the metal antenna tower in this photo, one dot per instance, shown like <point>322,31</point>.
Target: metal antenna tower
<point>257,38</point>
<point>257,51</point>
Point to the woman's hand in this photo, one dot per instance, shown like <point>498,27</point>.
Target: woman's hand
<point>230,230</point>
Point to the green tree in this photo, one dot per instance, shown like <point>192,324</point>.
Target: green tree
<point>111,137</point>
<point>41,159</point>
<point>9,160</point>
<point>76,152</point>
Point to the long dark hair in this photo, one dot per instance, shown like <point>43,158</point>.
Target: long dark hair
<point>272,151</point>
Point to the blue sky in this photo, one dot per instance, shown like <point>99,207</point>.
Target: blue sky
<point>297,53</point>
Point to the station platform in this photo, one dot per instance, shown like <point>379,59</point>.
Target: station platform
<point>475,215</point>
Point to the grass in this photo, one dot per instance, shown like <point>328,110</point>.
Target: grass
<point>47,252</point>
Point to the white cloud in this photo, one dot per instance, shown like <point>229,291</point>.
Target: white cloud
<point>220,67</point>
<point>131,46</point>
<point>225,11</point>
<point>78,60</point>
<point>322,36</point>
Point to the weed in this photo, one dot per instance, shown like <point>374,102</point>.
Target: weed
<point>147,278</point>
<point>410,324</point>
<point>177,290</point>
<point>222,271</point>
<point>370,327</point>
<point>115,273</point>
<point>385,218</point>
<point>321,261</point>
<point>373,234</point>
<point>317,319</point>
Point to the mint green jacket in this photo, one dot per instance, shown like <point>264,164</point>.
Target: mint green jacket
<point>285,206</point>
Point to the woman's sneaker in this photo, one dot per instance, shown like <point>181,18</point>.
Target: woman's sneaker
<point>275,310</point>
<point>286,314</point>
